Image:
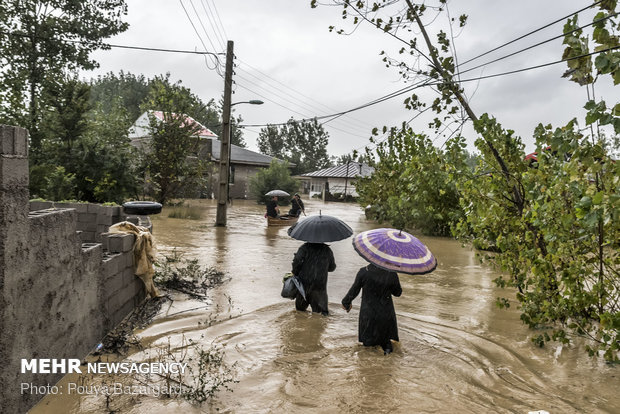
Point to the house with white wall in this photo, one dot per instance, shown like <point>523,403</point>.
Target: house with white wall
<point>335,180</point>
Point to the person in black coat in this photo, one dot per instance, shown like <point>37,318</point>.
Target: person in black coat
<point>311,264</point>
<point>297,206</point>
<point>272,207</point>
<point>377,321</point>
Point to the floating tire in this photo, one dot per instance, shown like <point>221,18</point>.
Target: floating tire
<point>141,208</point>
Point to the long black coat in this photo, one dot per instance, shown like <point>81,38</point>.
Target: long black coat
<point>377,322</point>
<point>311,263</point>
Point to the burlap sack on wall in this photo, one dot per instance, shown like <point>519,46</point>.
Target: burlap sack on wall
<point>144,253</point>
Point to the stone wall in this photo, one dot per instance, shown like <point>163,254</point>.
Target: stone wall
<point>63,284</point>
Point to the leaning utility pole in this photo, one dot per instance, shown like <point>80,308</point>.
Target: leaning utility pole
<point>222,195</point>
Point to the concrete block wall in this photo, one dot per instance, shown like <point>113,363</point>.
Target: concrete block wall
<point>63,284</point>
<point>92,219</point>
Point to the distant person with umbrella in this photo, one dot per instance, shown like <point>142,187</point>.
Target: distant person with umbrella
<point>272,205</point>
<point>388,251</point>
<point>314,259</point>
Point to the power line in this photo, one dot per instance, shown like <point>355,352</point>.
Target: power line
<point>216,62</point>
<point>541,66</point>
<point>115,46</point>
<point>296,92</point>
<point>538,44</point>
<point>218,35</point>
<point>373,102</point>
<point>531,33</point>
<point>428,82</point>
<point>297,102</point>
<point>218,18</point>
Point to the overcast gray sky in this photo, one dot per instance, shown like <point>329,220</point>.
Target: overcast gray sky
<point>287,57</point>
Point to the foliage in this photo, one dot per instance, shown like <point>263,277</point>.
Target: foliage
<point>34,50</point>
<point>85,142</point>
<point>186,212</point>
<point>411,186</point>
<point>131,90</point>
<point>186,275</point>
<point>303,143</point>
<point>277,176</point>
<point>354,156</point>
<point>59,185</point>
<point>170,158</point>
<point>553,223</point>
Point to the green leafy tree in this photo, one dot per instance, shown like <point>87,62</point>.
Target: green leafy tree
<point>60,185</point>
<point>551,223</point>
<point>41,39</point>
<point>277,176</point>
<point>107,167</point>
<point>171,156</point>
<point>132,90</point>
<point>411,186</point>
<point>303,143</point>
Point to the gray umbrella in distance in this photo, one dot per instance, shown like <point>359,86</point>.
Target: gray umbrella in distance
<point>320,229</point>
<point>278,193</point>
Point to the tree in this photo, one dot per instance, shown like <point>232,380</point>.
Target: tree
<point>277,176</point>
<point>132,90</point>
<point>553,223</point>
<point>303,143</point>
<point>411,186</point>
<point>88,144</point>
<point>41,39</point>
<point>354,157</point>
<point>171,157</point>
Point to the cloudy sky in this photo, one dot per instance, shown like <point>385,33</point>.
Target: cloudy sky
<point>286,56</point>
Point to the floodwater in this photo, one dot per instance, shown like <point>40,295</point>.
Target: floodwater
<point>457,352</point>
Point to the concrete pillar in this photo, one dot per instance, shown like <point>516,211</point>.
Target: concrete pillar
<point>13,241</point>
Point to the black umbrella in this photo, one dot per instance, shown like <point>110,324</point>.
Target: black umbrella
<point>320,229</point>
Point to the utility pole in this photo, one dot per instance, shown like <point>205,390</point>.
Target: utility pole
<point>222,195</point>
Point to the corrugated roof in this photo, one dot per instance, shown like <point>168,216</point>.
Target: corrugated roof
<point>240,155</point>
<point>354,169</point>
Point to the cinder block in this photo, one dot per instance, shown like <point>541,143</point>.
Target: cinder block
<point>80,207</point>
<point>104,219</point>
<point>129,259</point>
<point>104,241</point>
<point>6,140</point>
<point>112,285</point>
<point>89,226</point>
<point>110,265</point>
<point>87,217</point>
<point>101,228</point>
<point>13,172</point>
<point>40,205</point>
<point>87,236</point>
<point>94,208</point>
<point>121,242</point>
<point>129,277</point>
<point>20,142</point>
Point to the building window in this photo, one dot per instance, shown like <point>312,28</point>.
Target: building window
<point>231,176</point>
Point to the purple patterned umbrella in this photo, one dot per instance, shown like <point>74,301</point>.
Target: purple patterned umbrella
<point>394,250</point>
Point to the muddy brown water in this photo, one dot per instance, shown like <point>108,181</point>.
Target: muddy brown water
<point>457,352</point>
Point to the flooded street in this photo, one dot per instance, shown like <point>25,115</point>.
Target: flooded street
<point>457,352</point>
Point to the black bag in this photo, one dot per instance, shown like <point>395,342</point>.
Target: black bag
<point>289,289</point>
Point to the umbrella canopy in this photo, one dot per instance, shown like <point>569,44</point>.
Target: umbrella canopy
<point>395,250</point>
<point>278,193</point>
<point>320,229</point>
